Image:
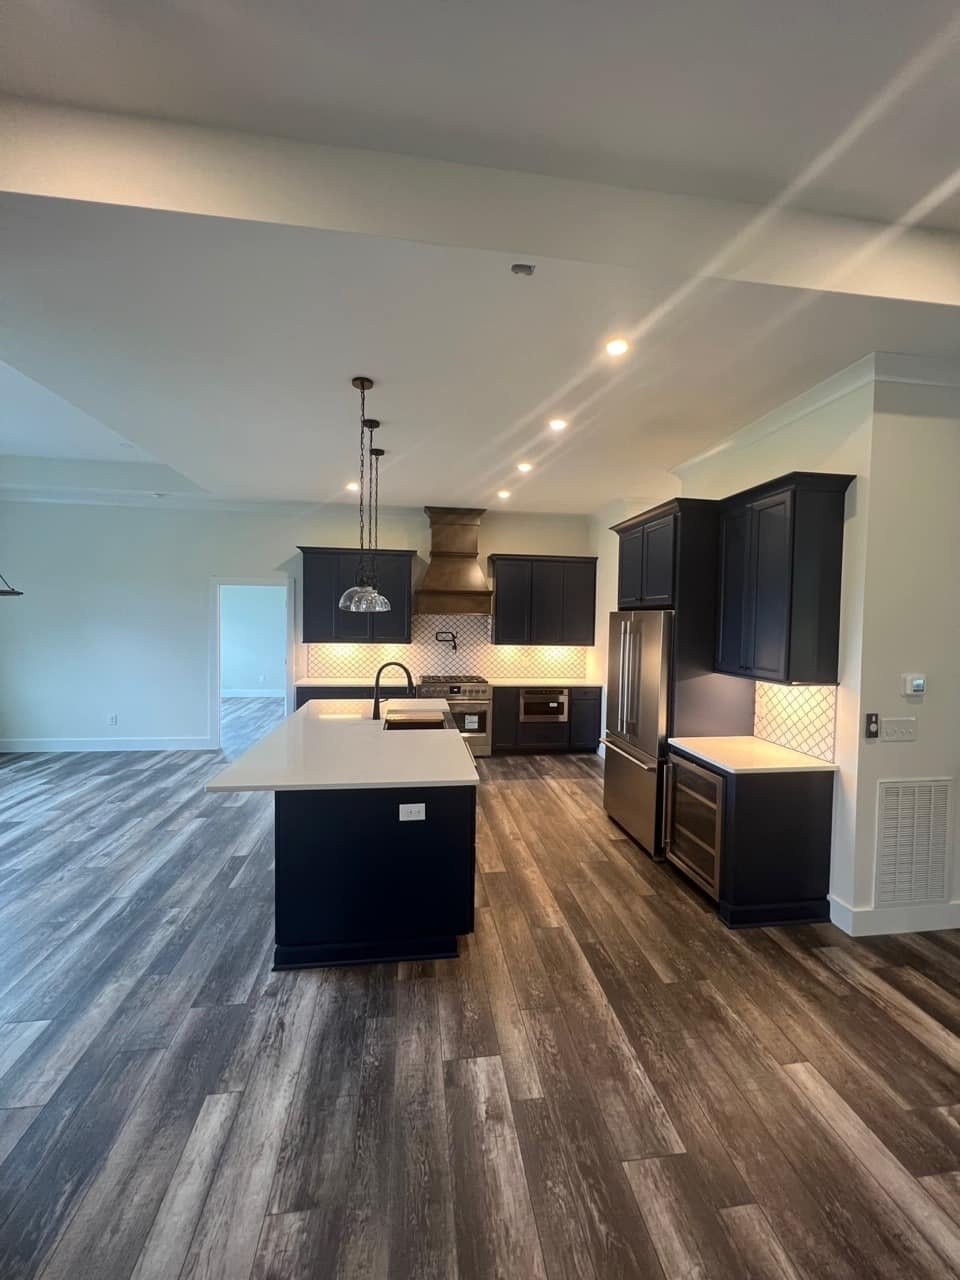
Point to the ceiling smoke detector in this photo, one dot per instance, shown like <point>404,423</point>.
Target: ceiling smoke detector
<point>523,268</point>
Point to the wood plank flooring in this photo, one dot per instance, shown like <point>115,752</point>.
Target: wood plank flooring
<point>606,1083</point>
<point>244,721</point>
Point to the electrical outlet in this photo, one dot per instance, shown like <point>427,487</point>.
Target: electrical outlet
<point>898,729</point>
<point>113,719</point>
<point>413,813</point>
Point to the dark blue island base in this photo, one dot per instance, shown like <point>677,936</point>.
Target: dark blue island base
<point>356,885</point>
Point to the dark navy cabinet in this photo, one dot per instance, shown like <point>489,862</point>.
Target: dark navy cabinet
<point>329,571</point>
<point>547,600</point>
<point>647,561</point>
<point>721,827</point>
<point>585,718</point>
<point>781,551</point>
<point>579,732</point>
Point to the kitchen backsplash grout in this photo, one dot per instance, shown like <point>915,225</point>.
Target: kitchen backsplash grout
<point>425,655</point>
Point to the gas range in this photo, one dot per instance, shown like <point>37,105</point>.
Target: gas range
<point>471,704</point>
<point>457,686</point>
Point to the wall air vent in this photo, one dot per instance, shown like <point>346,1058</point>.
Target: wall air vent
<point>913,823</point>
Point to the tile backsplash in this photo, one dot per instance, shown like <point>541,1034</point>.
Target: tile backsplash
<point>800,716</point>
<point>425,655</point>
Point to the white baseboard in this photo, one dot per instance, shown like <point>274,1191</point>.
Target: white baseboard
<point>253,693</point>
<point>861,922</point>
<point>19,745</point>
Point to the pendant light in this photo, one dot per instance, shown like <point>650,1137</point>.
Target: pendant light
<point>6,589</point>
<point>365,596</point>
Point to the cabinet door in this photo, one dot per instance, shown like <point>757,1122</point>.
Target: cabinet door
<point>506,718</point>
<point>578,625</point>
<point>585,724</point>
<point>511,602</point>
<point>631,569</point>
<point>733,580</point>
<point>319,585</point>
<point>657,562</point>
<point>767,602</point>
<point>348,626</point>
<point>547,579</point>
<point>394,577</point>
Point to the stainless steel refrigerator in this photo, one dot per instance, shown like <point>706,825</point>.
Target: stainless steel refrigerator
<point>638,688</point>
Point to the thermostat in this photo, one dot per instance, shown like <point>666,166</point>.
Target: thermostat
<point>914,686</point>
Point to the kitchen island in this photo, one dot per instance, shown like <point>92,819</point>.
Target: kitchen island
<point>374,834</point>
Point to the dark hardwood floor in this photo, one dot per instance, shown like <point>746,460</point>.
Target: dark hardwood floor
<point>244,721</point>
<point>606,1083</point>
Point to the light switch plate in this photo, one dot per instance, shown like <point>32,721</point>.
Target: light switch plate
<point>898,729</point>
<point>413,813</point>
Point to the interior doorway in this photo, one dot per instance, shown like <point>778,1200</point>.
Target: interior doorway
<point>253,657</point>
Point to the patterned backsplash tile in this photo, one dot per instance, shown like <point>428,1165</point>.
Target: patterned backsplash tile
<point>426,655</point>
<point>802,717</point>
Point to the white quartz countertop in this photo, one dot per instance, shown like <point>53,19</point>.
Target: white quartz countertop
<point>542,682</point>
<point>317,749</point>
<point>750,755</point>
<point>354,682</point>
<point>514,682</point>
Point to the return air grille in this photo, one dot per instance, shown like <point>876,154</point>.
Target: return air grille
<point>912,826</point>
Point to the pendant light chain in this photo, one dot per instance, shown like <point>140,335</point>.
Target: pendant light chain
<point>376,503</point>
<point>371,563</point>
<point>365,596</point>
<point>361,567</point>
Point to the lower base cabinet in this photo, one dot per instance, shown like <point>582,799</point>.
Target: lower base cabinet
<point>579,732</point>
<point>757,843</point>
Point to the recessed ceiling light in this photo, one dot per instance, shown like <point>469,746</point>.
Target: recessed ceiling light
<point>557,424</point>
<point>524,466</point>
<point>353,487</point>
<point>618,347</point>
<point>503,493</point>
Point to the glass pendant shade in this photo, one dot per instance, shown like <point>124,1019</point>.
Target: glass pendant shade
<point>364,600</point>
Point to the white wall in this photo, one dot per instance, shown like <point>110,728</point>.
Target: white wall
<point>253,641</point>
<point>117,611</point>
<point>911,622</point>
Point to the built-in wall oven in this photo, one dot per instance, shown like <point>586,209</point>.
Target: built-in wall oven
<point>544,706</point>
<point>471,704</point>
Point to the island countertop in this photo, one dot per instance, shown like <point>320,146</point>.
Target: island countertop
<point>316,750</point>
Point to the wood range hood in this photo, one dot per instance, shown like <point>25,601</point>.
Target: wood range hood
<point>454,581</point>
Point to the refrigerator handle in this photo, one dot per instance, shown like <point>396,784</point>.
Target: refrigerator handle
<point>667,805</point>
<point>621,689</point>
<point>627,666</point>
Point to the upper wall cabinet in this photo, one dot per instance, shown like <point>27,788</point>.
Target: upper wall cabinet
<point>328,571</point>
<point>781,550</point>
<point>544,599</point>
<point>647,559</point>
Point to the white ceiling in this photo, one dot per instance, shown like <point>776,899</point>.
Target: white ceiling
<point>225,349</point>
<point>36,423</point>
<point>730,98</point>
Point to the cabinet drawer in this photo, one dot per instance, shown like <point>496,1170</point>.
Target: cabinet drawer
<point>543,735</point>
<point>695,822</point>
<point>707,787</point>
<point>693,857</point>
<point>694,816</point>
